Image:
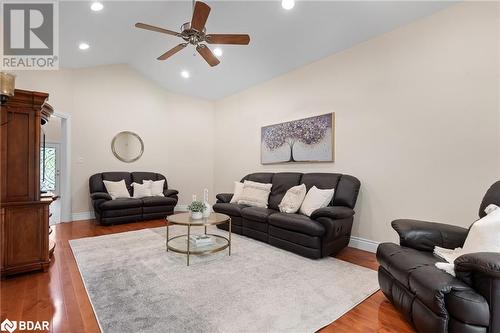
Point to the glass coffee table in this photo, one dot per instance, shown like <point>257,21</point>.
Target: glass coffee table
<point>181,243</point>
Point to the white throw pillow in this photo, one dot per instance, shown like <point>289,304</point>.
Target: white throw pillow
<point>255,194</point>
<point>238,188</point>
<point>293,199</point>
<point>484,235</point>
<point>142,190</point>
<point>490,208</point>
<point>315,199</point>
<point>156,187</point>
<point>116,189</point>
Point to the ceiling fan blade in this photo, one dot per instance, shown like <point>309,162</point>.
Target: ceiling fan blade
<point>207,55</point>
<point>228,39</point>
<point>157,29</point>
<point>172,51</point>
<point>200,16</point>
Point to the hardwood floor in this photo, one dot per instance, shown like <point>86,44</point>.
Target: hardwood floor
<point>60,297</point>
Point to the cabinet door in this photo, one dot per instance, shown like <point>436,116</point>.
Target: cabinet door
<point>20,154</point>
<point>26,232</point>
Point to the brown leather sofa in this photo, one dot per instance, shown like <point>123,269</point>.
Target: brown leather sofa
<point>326,232</point>
<point>126,210</point>
<point>431,299</point>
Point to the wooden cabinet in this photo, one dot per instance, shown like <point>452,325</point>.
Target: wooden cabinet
<point>24,216</point>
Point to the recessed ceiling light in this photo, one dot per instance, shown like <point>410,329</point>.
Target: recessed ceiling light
<point>287,4</point>
<point>218,52</point>
<point>83,46</point>
<point>185,74</point>
<point>96,6</point>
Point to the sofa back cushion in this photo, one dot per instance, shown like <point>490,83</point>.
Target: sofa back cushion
<point>492,196</point>
<point>259,177</point>
<point>96,181</point>
<point>139,177</point>
<point>346,187</point>
<point>346,193</point>
<point>323,181</point>
<point>282,182</point>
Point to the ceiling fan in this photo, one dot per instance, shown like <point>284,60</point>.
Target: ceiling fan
<point>194,33</point>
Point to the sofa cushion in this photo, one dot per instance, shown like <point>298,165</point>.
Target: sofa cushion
<point>139,177</point>
<point>230,209</point>
<point>320,180</point>
<point>401,261</point>
<point>259,177</point>
<point>282,182</point>
<point>297,222</point>
<point>121,204</point>
<point>257,214</point>
<point>158,201</point>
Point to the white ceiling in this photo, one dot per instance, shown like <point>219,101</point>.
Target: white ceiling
<point>280,40</point>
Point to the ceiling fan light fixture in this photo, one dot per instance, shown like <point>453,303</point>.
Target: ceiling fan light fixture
<point>218,52</point>
<point>194,33</point>
<point>96,6</point>
<point>185,74</point>
<point>287,4</point>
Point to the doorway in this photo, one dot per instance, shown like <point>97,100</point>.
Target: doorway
<point>55,165</point>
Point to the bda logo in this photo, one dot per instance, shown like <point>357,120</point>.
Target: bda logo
<point>8,325</point>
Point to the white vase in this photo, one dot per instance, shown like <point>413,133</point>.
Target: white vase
<point>208,207</point>
<point>196,215</point>
<point>207,211</point>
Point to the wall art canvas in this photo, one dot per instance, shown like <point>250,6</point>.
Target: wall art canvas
<point>304,140</point>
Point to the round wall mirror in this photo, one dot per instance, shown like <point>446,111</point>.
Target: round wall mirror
<point>127,146</point>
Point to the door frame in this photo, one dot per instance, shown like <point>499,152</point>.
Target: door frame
<point>65,166</point>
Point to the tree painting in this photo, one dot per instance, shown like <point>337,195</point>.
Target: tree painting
<point>309,131</point>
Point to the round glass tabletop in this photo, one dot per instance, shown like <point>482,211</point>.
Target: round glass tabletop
<point>185,219</point>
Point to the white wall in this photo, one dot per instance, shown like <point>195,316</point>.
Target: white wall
<point>177,130</point>
<point>417,116</point>
<point>52,130</point>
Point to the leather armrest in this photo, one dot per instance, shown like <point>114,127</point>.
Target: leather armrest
<point>485,263</point>
<point>224,197</point>
<point>170,192</point>
<point>100,195</point>
<point>424,236</point>
<point>481,271</point>
<point>333,212</point>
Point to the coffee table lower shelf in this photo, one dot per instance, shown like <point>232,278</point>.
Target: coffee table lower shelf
<point>179,244</point>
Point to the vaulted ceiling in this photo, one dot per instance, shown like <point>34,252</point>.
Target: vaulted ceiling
<point>280,40</point>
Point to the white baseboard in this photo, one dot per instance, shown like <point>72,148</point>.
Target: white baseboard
<point>363,244</point>
<point>82,216</point>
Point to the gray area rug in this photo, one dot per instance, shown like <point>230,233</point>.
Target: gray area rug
<point>134,285</point>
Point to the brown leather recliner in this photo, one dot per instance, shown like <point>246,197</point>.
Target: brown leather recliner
<point>431,299</point>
